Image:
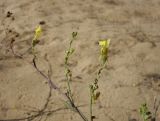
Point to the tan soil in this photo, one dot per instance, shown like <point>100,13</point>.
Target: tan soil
<point>131,78</point>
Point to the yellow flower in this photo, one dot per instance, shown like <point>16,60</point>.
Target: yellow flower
<point>38,32</point>
<point>104,44</point>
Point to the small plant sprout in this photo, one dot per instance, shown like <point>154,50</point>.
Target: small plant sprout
<point>35,41</point>
<point>144,112</point>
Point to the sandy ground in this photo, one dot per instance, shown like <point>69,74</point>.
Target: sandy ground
<point>131,78</point>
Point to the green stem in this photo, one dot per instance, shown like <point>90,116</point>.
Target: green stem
<point>100,70</point>
<point>91,103</point>
<point>69,87</point>
<point>68,76</point>
<point>93,88</point>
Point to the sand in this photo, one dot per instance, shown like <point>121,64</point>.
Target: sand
<point>132,75</point>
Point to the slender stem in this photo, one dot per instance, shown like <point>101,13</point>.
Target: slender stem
<point>69,87</point>
<point>68,73</point>
<point>93,88</point>
<point>91,102</point>
<point>81,114</point>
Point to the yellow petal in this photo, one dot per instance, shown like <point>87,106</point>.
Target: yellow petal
<point>38,29</point>
<point>104,43</point>
<point>38,32</point>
